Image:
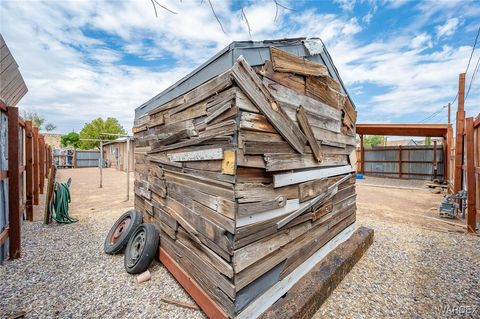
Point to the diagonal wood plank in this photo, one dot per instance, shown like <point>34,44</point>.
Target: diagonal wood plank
<point>307,129</point>
<point>253,87</point>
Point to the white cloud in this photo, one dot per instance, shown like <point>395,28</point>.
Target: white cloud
<point>397,3</point>
<point>346,5</point>
<point>74,76</point>
<point>448,28</point>
<point>421,41</point>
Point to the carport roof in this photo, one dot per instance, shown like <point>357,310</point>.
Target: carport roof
<point>433,130</point>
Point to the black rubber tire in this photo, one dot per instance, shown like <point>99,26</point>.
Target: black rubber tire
<point>141,248</point>
<point>114,246</point>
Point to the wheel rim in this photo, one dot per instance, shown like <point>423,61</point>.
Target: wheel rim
<point>136,249</point>
<point>119,230</point>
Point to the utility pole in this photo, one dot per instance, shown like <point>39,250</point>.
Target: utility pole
<point>101,155</point>
<point>457,174</point>
<point>448,113</point>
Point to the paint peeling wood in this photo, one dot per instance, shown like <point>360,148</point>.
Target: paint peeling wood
<point>255,122</point>
<point>202,155</point>
<point>320,90</point>
<point>290,80</point>
<point>285,95</point>
<point>229,161</point>
<point>284,179</point>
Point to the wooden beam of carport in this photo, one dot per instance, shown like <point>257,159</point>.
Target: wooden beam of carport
<point>431,130</point>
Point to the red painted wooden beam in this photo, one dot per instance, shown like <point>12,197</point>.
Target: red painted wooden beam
<point>211,309</point>
<point>13,184</point>
<point>433,130</point>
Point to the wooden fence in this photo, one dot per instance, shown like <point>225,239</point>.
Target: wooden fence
<point>24,161</point>
<point>472,170</point>
<point>406,162</point>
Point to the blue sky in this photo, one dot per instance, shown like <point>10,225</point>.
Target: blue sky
<point>400,60</point>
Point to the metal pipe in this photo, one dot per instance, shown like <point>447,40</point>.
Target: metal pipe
<point>128,169</point>
<point>101,163</point>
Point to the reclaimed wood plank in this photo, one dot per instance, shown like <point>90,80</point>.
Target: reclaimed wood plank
<point>283,162</point>
<point>201,155</point>
<point>286,62</point>
<point>284,179</point>
<point>229,162</point>
<point>290,80</point>
<point>252,86</point>
<point>255,122</point>
<point>307,130</point>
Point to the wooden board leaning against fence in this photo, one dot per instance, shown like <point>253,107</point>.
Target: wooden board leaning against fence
<point>247,176</point>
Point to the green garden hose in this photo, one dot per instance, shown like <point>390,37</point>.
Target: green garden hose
<point>59,203</point>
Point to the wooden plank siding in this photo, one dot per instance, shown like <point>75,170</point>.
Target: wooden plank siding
<point>238,181</point>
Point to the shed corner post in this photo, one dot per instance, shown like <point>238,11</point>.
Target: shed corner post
<point>14,183</point>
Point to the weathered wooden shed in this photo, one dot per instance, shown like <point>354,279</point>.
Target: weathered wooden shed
<point>115,152</point>
<point>245,166</point>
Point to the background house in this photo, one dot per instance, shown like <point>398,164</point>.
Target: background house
<point>115,153</point>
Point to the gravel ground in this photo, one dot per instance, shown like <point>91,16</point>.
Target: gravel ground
<point>415,268</point>
<point>409,271</point>
<point>63,272</point>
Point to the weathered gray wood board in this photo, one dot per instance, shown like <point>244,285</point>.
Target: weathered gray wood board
<point>248,179</point>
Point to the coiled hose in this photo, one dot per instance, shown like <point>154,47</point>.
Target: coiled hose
<point>59,203</point>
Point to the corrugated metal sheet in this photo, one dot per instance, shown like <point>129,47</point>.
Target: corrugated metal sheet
<point>385,162</point>
<point>255,53</point>
<point>12,85</point>
<point>87,158</point>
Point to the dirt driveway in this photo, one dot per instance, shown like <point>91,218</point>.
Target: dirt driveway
<point>409,271</point>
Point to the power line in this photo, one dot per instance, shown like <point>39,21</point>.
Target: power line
<point>472,79</point>
<point>434,114</point>
<point>473,49</point>
<point>468,66</point>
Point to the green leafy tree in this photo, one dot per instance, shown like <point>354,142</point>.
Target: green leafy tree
<point>373,140</point>
<point>94,130</point>
<point>50,127</point>
<point>38,121</point>
<point>70,139</point>
<point>428,140</point>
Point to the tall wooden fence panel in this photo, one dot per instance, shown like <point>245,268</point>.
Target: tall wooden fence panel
<point>18,185</point>
<point>472,171</point>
